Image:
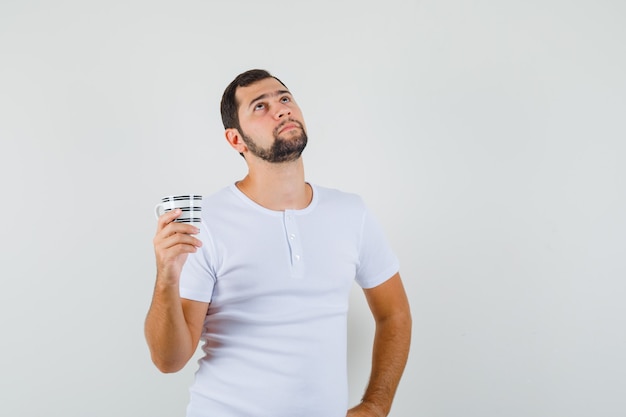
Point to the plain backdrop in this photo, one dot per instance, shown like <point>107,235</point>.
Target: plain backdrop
<point>487,136</point>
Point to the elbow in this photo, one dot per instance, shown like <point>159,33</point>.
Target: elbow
<point>408,318</point>
<point>398,318</point>
<point>399,324</point>
<point>167,366</point>
<point>404,321</point>
<point>167,358</point>
<point>168,369</point>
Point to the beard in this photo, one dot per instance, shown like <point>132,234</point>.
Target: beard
<point>283,149</point>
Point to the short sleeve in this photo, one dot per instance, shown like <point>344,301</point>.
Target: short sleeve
<point>377,261</point>
<point>198,275</point>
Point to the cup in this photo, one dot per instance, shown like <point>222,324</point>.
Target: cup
<point>191,206</point>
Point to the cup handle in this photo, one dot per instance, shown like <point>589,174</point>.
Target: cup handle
<point>158,210</point>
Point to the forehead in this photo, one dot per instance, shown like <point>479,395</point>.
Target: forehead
<point>268,86</point>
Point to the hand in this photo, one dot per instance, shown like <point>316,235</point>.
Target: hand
<point>172,244</point>
<point>364,410</point>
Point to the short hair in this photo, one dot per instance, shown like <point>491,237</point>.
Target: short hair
<point>229,106</point>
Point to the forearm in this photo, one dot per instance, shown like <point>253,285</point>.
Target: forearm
<point>166,330</point>
<point>390,352</point>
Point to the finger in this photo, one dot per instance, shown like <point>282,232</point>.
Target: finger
<point>174,239</point>
<point>176,250</point>
<point>168,217</point>
<point>186,228</point>
<point>175,227</point>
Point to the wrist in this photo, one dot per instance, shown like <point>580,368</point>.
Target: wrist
<point>166,283</point>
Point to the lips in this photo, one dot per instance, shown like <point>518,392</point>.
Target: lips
<point>288,125</point>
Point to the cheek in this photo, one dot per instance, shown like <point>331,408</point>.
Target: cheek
<point>261,133</point>
<point>297,114</point>
<point>302,121</point>
<point>252,127</point>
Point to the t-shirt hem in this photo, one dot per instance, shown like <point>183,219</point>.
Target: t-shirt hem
<point>381,278</point>
<point>194,295</point>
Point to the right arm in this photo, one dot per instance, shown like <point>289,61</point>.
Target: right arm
<point>173,325</point>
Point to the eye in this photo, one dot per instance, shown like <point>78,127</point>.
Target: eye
<point>259,106</point>
<point>285,99</point>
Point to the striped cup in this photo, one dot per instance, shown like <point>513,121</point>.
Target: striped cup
<point>191,206</point>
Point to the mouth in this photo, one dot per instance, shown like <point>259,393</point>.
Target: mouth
<point>287,126</point>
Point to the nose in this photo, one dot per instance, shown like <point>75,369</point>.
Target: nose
<point>282,110</point>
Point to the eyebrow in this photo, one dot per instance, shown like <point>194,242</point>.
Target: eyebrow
<point>267,95</point>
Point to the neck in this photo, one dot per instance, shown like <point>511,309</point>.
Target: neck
<point>277,186</point>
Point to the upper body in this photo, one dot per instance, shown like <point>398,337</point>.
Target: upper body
<point>275,278</point>
<point>278,284</point>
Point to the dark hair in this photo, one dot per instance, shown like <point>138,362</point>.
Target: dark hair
<point>229,105</point>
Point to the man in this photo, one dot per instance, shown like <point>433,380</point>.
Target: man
<point>265,281</point>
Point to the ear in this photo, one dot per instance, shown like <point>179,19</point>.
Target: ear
<point>235,140</point>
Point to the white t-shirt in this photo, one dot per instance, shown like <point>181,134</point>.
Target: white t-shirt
<point>279,283</point>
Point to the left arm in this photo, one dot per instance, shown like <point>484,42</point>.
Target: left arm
<point>390,308</point>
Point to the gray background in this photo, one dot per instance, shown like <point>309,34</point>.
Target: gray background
<point>487,136</point>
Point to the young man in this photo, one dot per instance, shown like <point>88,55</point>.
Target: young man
<point>265,281</point>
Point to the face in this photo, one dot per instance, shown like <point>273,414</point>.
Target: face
<point>271,122</point>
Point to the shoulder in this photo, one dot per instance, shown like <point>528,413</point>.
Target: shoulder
<point>333,196</point>
<point>220,199</point>
<point>219,195</point>
<point>222,206</point>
